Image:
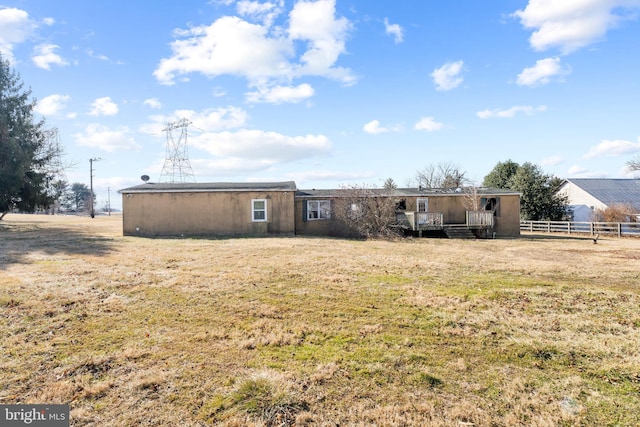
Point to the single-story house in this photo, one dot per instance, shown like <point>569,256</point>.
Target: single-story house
<point>177,209</point>
<point>276,208</point>
<point>586,195</point>
<point>434,211</point>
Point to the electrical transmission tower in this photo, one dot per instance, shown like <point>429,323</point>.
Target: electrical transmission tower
<point>176,166</point>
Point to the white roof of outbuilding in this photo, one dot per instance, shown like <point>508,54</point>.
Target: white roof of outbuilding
<point>611,191</point>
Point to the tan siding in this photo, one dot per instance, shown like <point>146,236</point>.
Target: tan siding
<point>205,213</point>
<point>452,206</point>
<point>313,227</point>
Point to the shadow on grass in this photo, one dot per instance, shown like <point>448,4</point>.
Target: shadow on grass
<point>559,236</point>
<point>17,240</point>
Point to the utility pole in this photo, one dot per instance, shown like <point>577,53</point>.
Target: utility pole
<point>109,200</point>
<point>94,159</point>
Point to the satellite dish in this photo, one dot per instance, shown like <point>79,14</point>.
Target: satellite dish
<point>145,178</point>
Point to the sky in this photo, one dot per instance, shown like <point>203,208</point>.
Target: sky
<point>329,93</point>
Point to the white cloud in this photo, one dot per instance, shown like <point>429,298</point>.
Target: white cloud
<point>209,120</point>
<point>374,128</point>
<point>103,138</point>
<point>571,25</point>
<point>329,175</point>
<point>448,76</point>
<point>91,53</point>
<point>230,45</point>
<point>428,124</point>
<point>153,103</point>
<point>226,166</point>
<point>613,148</point>
<point>52,104</point>
<point>221,132</point>
<point>552,160</point>
<point>264,54</point>
<point>44,56</point>
<point>542,72</point>
<point>15,28</point>
<point>48,21</point>
<point>395,30</point>
<point>281,94</point>
<point>577,171</point>
<point>265,12</point>
<point>258,145</point>
<point>511,112</point>
<point>218,92</point>
<point>103,107</point>
<point>316,23</point>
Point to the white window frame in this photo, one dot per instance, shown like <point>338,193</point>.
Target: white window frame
<point>323,212</point>
<point>254,210</point>
<point>424,201</point>
<point>356,211</point>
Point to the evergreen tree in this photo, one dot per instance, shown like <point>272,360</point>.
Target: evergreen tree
<point>81,197</point>
<point>25,154</point>
<point>390,184</point>
<point>501,174</point>
<point>539,200</point>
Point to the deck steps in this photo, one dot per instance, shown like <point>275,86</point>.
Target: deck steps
<point>459,233</point>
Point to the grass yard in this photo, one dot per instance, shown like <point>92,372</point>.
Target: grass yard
<point>536,331</point>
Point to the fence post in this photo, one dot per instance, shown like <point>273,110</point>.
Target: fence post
<point>569,227</point>
<point>592,228</point>
<point>619,229</point>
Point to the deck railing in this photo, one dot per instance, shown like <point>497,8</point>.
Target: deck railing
<point>480,219</point>
<point>618,229</point>
<point>425,220</point>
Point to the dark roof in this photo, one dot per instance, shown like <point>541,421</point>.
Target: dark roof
<point>611,191</point>
<point>192,187</point>
<point>401,192</point>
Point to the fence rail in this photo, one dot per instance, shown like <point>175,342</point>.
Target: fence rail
<point>618,229</point>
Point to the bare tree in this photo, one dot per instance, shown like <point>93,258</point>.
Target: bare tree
<point>616,213</point>
<point>365,212</point>
<point>634,165</point>
<point>441,175</point>
<point>472,198</point>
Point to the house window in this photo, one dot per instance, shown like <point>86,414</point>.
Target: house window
<point>355,211</point>
<point>401,205</point>
<point>491,204</point>
<point>259,210</point>
<point>422,205</point>
<point>318,209</point>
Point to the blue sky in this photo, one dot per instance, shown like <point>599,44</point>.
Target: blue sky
<point>332,92</point>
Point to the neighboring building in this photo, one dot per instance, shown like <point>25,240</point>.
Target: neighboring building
<point>279,208</point>
<point>586,195</point>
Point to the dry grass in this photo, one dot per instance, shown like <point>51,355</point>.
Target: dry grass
<point>536,331</point>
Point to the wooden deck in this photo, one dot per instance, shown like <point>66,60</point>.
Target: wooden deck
<point>426,221</point>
